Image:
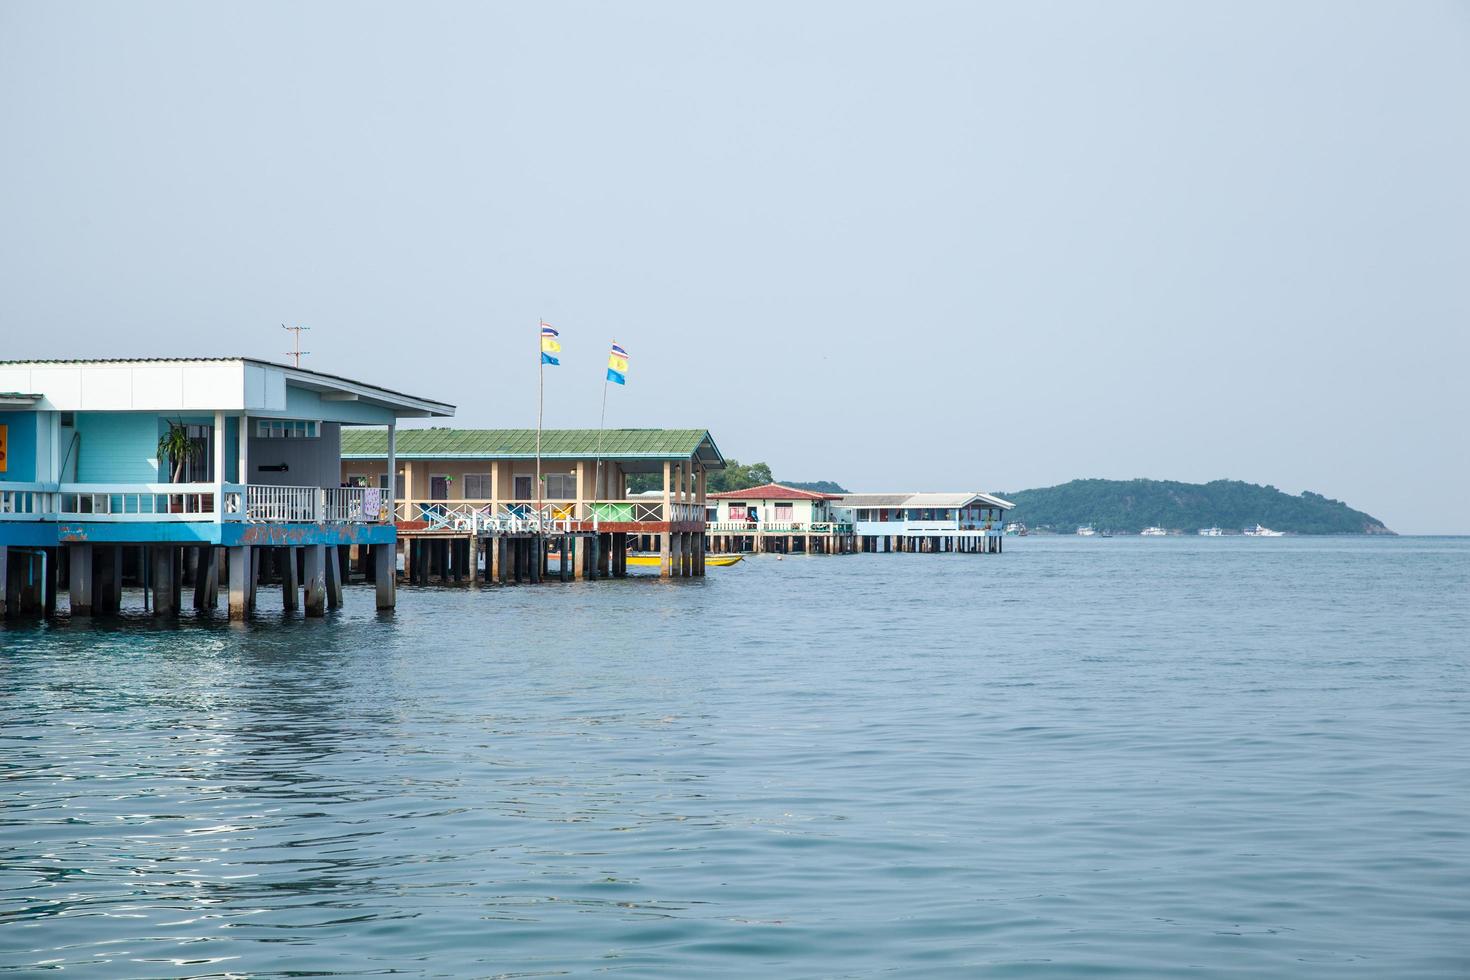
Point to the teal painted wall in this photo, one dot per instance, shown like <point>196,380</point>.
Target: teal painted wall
<point>20,466</point>
<point>117,447</point>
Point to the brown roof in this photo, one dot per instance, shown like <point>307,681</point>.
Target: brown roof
<point>772,491</point>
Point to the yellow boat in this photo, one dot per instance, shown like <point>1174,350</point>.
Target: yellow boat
<point>651,561</point>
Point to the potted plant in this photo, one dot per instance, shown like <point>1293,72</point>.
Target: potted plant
<point>177,447</point>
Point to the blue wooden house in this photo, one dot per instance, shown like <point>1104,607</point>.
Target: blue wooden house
<point>169,466</point>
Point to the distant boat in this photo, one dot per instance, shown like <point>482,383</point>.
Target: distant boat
<point>1261,532</point>
<point>1086,530</point>
<point>1105,533</point>
<point>1016,528</point>
<point>1153,532</point>
<point>1211,532</point>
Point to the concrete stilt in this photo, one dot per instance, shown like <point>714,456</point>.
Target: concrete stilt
<point>383,556</point>
<point>205,568</point>
<point>79,579</point>
<point>290,596</point>
<point>240,561</point>
<point>314,579</point>
<point>333,567</point>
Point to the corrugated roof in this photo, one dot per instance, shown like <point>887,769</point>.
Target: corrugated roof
<point>930,500</point>
<point>873,499</point>
<point>437,443</point>
<point>771,491</point>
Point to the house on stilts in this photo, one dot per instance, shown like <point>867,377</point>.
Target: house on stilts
<point>966,521</point>
<point>778,518</point>
<point>468,507</point>
<point>247,487</point>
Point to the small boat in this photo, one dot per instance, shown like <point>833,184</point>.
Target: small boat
<point>1086,531</point>
<point>652,561</point>
<point>1153,532</point>
<point>1261,532</point>
<point>1105,533</point>
<point>1211,532</point>
<point>1017,528</point>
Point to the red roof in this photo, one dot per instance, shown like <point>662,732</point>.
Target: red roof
<point>772,491</point>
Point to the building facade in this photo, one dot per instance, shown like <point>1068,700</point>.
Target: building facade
<point>780,518</point>
<point>468,501</point>
<point>925,522</point>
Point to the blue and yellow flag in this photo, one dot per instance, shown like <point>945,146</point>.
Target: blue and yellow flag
<point>549,344</point>
<point>617,365</point>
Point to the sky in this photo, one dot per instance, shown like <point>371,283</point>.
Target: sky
<point>906,246</point>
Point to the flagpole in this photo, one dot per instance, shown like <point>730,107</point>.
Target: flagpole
<point>601,424</point>
<point>540,408</point>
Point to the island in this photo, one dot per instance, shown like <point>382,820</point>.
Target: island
<point>1129,506</point>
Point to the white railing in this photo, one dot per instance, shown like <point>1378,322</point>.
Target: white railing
<point>355,505</point>
<point>286,505</point>
<point>24,501</point>
<point>778,527</point>
<point>201,502</point>
<point>125,502</point>
<point>928,529</point>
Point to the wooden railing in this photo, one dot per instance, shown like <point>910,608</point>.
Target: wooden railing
<point>490,515</point>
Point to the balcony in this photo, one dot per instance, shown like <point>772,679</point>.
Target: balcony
<point>554,516</point>
<point>192,502</point>
<point>779,527</point>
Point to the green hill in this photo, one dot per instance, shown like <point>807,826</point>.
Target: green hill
<point>1131,505</point>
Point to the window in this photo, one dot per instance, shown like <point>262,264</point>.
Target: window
<point>286,429</point>
<point>783,511</point>
<point>398,493</point>
<point>561,486</point>
<point>477,486</point>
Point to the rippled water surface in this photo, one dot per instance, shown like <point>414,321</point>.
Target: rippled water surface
<point>1214,757</point>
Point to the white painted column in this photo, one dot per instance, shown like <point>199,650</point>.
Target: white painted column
<point>243,451</point>
<point>393,467</point>
<point>219,466</point>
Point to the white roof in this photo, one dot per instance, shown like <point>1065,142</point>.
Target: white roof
<point>939,500</point>
<point>169,384</point>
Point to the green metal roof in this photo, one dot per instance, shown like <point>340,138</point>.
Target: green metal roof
<point>436,443</point>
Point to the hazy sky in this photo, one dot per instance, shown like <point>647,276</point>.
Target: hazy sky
<point>901,245</point>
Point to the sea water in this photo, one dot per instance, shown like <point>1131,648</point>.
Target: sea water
<point>1085,757</point>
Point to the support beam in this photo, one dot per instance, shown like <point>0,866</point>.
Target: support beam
<point>240,565</point>
<point>290,590</point>
<point>333,568</point>
<point>384,556</point>
<point>79,578</point>
<point>314,577</point>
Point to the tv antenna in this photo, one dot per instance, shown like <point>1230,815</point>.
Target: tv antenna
<point>295,355</point>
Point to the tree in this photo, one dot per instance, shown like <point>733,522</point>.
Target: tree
<point>739,476</point>
<point>178,447</point>
<point>735,476</point>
